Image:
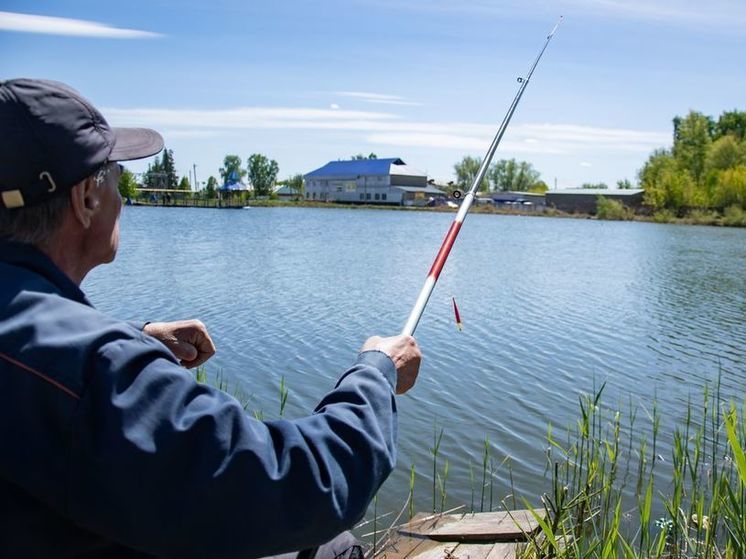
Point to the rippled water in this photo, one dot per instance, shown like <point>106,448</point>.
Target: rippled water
<point>551,308</point>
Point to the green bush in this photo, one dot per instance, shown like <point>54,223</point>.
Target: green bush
<point>664,216</point>
<point>734,216</point>
<point>613,210</point>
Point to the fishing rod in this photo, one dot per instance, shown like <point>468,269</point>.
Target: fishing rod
<point>445,248</point>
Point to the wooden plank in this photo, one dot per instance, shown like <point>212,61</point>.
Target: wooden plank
<point>485,526</point>
<point>408,548</point>
<point>441,550</point>
<point>473,551</point>
<point>503,551</point>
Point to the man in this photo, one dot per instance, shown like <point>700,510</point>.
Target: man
<point>108,447</point>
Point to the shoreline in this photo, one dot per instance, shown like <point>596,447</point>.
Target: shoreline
<point>696,218</point>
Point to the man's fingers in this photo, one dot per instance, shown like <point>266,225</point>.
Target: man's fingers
<point>184,351</point>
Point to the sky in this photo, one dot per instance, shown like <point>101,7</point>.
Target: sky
<point>428,81</point>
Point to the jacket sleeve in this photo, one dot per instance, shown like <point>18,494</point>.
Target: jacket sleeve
<point>165,465</point>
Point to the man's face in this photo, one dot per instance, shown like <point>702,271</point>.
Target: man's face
<point>105,228</point>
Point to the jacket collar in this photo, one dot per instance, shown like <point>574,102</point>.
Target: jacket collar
<point>31,258</point>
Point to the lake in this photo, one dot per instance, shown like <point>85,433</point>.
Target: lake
<point>551,309</point>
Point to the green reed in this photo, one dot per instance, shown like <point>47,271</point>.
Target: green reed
<point>701,487</point>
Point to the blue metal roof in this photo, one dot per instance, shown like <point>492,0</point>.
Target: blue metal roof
<point>356,167</point>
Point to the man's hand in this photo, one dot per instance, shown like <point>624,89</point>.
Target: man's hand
<point>404,352</point>
<point>187,339</point>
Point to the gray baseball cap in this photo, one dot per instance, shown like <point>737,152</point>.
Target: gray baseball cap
<point>51,138</point>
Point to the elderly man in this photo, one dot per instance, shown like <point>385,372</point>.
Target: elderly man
<point>108,447</point>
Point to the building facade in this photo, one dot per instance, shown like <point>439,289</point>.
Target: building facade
<point>370,181</point>
<point>585,200</point>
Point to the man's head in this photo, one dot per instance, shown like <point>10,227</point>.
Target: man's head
<point>58,163</point>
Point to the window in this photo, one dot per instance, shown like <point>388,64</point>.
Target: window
<point>383,196</point>
<point>378,196</point>
<point>367,195</point>
<point>362,196</point>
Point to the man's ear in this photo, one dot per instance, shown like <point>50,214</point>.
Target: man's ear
<point>84,200</point>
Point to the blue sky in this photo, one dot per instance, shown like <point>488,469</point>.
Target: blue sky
<point>425,80</point>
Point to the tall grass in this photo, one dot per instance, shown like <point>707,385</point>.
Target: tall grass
<point>701,492</point>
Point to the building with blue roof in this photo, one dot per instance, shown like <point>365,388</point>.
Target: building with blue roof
<point>370,181</point>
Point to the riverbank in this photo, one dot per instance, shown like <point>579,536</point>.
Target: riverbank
<point>732,217</point>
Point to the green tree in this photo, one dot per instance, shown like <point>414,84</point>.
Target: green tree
<point>184,184</point>
<point>692,139</point>
<point>295,183</point>
<point>466,172</point>
<point>624,184</point>
<point>211,187</point>
<point>360,156</point>
<point>540,187</point>
<point>127,185</point>
<point>231,170</point>
<point>509,174</point>
<point>262,173</point>
<point>594,185</point>
<point>724,153</point>
<point>167,167</point>
<point>730,189</point>
<point>731,123</point>
<point>154,177</point>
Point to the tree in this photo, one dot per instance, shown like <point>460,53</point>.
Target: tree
<point>154,177</point>
<point>295,183</point>
<point>624,184</point>
<point>509,174</point>
<point>184,184</point>
<point>211,187</point>
<point>724,153</point>
<point>360,156</point>
<point>692,139</point>
<point>167,167</point>
<point>539,187</point>
<point>731,123</point>
<point>127,185</point>
<point>594,185</point>
<point>262,173</point>
<point>231,170</point>
<point>466,172</point>
<point>730,190</point>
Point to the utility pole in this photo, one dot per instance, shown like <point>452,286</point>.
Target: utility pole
<point>196,184</point>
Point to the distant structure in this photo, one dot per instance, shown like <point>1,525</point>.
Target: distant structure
<point>517,199</point>
<point>584,200</point>
<point>371,181</point>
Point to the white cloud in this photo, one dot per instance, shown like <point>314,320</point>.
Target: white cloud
<point>585,164</point>
<point>334,107</point>
<point>381,98</point>
<point>692,13</point>
<point>28,23</point>
<point>388,129</point>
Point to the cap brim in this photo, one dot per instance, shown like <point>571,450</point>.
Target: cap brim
<point>135,143</point>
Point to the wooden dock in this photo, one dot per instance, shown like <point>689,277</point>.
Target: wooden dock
<point>486,535</point>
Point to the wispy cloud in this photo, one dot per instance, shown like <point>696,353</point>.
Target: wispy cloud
<point>725,13</point>
<point>29,23</point>
<point>391,130</point>
<point>381,98</point>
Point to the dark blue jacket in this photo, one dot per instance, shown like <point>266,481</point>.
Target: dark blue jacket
<point>109,448</point>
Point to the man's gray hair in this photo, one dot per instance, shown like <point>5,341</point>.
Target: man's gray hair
<point>35,225</point>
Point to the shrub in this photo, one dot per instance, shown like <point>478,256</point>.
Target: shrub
<point>613,210</point>
<point>734,216</point>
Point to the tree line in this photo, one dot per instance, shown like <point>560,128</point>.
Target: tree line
<point>704,169</point>
<point>503,175</point>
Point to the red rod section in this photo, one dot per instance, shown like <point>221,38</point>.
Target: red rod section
<point>445,248</point>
